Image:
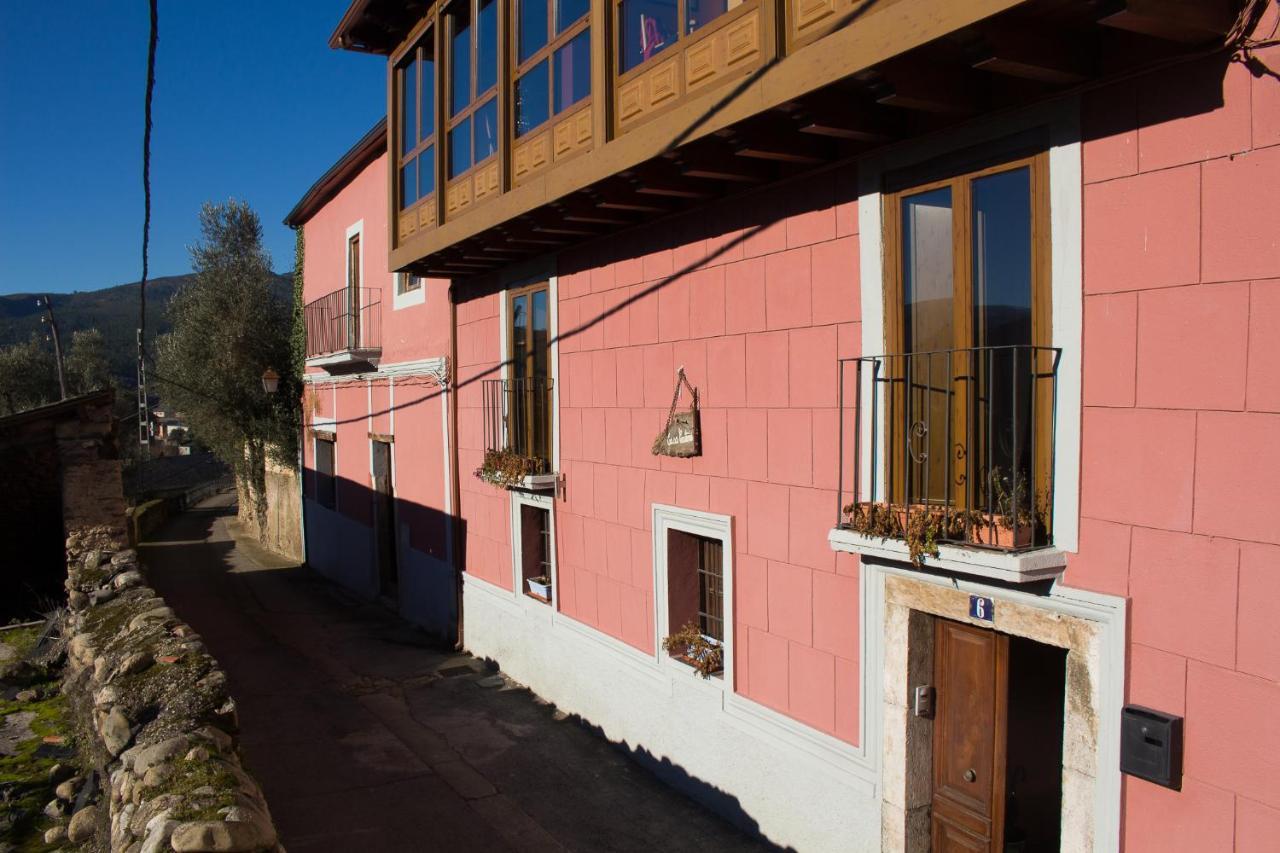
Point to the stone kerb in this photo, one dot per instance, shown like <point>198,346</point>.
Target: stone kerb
<point>153,705</point>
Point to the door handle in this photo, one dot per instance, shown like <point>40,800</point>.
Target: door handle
<point>970,776</point>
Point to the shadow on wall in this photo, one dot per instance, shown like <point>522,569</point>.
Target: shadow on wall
<point>379,549</point>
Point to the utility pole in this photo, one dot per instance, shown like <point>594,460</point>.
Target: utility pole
<point>57,343</point>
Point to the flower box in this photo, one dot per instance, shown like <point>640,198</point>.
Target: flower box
<point>540,587</point>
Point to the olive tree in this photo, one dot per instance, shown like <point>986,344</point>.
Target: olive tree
<point>228,327</point>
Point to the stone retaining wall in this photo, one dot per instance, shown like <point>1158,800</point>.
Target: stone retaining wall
<point>155,709</point>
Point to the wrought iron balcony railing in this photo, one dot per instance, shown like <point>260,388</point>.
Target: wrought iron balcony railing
<point>345,321</point>
<point>957,443</point>
<point>517,419</point>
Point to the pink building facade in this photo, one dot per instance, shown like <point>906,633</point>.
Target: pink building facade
<point>832,721</point>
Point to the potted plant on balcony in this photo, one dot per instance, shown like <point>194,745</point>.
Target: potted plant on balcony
<point>921,526</point>
<point>506,468</point>
<point>703,653</point>
<point>540,587</point>
<point>997,528</point>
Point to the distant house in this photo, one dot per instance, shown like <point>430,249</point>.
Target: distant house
<point>59,471</point>
<point>376,507</point>
<point>980,301</point>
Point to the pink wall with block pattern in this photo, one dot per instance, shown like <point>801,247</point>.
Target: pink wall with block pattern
<point>1180,500</point>
<point>755,300</point>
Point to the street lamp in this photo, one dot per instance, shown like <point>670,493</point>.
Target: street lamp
<point>270,381</point>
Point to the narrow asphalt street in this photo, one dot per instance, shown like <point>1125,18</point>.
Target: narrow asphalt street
<point>366,738</point>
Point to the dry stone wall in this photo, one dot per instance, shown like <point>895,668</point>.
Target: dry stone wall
<point>160,723</point>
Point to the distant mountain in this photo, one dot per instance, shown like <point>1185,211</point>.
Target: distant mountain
<point>113,311</point>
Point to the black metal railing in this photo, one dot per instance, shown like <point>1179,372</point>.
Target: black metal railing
<point>346,320</point>
<point>517,418</point>
<point>964,437</point>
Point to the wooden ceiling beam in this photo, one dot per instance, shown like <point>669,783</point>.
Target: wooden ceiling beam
<point>1029,56</point>
<point>846,116</point>
<point>584,210</point>
<point>1185,21</point>
<point>775,140</point>
<point>614,197</point>
<point>930,89</point>
<point>717,163</point>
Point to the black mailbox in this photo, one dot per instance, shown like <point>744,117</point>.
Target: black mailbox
<point>1151,746</point>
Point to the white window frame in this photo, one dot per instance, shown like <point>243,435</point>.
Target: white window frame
<point>666,519</point>
<point>1062,121</point>
<point>541,501</point>
<point>406,298</point>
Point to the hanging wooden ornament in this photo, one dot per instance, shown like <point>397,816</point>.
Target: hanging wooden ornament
<point>682,435</point>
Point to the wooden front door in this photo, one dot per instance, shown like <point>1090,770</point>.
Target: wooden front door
<point>384,524</point>
<point>971,673</point>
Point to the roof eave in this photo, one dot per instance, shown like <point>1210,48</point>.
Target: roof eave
<point>337,176</point>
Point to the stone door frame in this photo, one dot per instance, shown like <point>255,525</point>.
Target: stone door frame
<point>1090,626</point>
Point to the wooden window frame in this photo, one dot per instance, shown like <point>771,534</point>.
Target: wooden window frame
<point>510,331</point>
<point>478,99</point>
<point>683,39</point>
<point>546,52</point>
<point>530,361</point>
<point>420,40</point>
<point>958,173</point>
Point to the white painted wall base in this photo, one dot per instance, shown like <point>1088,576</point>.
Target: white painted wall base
<point>771,775</point>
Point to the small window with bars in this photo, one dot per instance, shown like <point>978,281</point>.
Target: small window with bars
<point>695,584</point>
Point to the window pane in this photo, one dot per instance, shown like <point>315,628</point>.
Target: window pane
<point>409,183</point>
<point>519,335</point>
<point>460,148</point>
<point>408,107</point>
<point>568,12</point>
<point>485,119</point>
<point>1002,247</point>
<point>928,293</point>
<point>711,588</point>
<point>427,97</point>
<point>701,12</point>
<point>645,28</point>
<point>487,46</point>
<point>532,16</point>
<point>573,71</point>
<point>460,83</point>
<point>539,333</point>
<point>532,96</point>
<point>926,270</point>
<point>1002,258</point>
<point>426,171</point>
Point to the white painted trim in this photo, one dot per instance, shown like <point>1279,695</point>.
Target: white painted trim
<point>672,518</point>
<point>437,366</point>
<point>1062,119</point>
<point>1015,567</point>
<point>517,582</point>
<point>409,298</point>
<point>553,335</point>
<point>729,743</point>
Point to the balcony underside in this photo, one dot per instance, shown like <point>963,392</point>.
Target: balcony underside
<point>841,96</point>
<point>345,359</point>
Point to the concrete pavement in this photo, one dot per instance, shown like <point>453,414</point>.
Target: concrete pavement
<point>366,738</point>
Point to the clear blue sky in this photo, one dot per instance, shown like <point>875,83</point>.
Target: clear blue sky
<point>250,102</point>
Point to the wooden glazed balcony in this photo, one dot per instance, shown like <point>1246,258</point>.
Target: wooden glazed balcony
<point>768,90</point>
